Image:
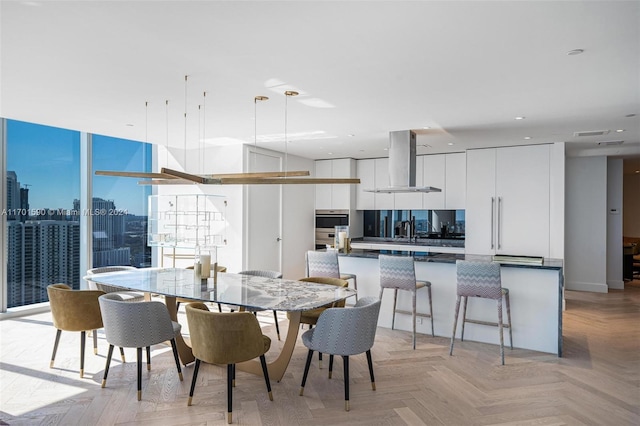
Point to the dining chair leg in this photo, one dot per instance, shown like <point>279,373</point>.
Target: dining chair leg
<point>193,381</point>
<point>83,341</point>
<point>433,334</point>
<point>106,367</point>
<point>319,359</point>
<point>219,307</point>
<point>413,315</point>
<point>148,358</point>
<point>55,347</point>
<point>500,328</point>
<point>265,372</point>
<point>506,298</point>
<point>139,366</point>
<point>229,393</point>
<point>174,348</point>
<point>465,300</point>
<point>122,355</point>
<point>373,380</point>
<point>275,320</point>
<point>306,371</point>
<point>455,323</point>
<point>355,286</point>
<point>345,360</point>
<point>95,342</point>
<point>330,365</point>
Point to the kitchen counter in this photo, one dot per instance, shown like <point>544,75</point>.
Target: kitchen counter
<point>440,245</point>
<point>536,293</point>
<point>435,257</point>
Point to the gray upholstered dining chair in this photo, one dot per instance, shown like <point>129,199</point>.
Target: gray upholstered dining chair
<point>398,273</point>
<point>344,332</point>
<point>137,325</point>
<point>125,295</point>
<point>325,264</point>
<point>483,280</point>
<point>266,274</point>
<point>225,338</point>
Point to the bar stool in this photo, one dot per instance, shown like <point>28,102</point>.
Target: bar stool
<point>325,264</point>
<point>481,279</point>
<point>398,273</point>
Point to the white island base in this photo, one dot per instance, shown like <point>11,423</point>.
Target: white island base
<point>535,296</point>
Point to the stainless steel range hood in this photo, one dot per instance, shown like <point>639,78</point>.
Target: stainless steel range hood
<point>402,165</point>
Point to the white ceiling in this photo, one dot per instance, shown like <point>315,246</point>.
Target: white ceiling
<point>465,68</point>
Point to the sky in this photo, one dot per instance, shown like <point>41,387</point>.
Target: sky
<point>47,159</point>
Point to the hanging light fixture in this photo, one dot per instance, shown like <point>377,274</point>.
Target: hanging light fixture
<point>169,176</point>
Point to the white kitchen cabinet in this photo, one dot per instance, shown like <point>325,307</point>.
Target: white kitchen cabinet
<point>507,201</point>
<point>383,200</point>
<point>411,200</point>
<point>433,175</point>
<point>455,181</point>
<point>366,172</point>
<point>335,196</point>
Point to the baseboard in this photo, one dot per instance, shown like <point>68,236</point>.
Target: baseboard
<point>591,287</point>
<point>616,284</point>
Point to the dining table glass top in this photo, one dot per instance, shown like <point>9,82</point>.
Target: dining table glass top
<point>231,289</point>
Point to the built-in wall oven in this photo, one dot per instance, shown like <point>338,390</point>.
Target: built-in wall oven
<point>326,221</point>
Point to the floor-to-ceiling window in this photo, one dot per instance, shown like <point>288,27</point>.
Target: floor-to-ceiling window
<point>42,227</point>
<point>119,232</point>
<point>42,209</point>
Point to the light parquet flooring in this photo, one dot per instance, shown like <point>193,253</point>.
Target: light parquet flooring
<point>597,382</point>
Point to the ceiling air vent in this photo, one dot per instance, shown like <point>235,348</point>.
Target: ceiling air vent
<point>607,143</point>
<point>591,133</point>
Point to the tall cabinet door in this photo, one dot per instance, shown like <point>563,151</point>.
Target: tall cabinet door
<point>481,199</point>
<point>366,172</point>
<point>324,169</point>
<point>522,209</point>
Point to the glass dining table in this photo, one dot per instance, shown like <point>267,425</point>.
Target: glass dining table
<point>243,291</point>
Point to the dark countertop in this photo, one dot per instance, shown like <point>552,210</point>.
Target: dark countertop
<point>434,242</point>
<point>422,256</point>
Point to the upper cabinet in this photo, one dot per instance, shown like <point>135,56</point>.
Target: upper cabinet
<point>507,201</point>
<point>455,193</point>
<point>433,175</point>
<point>335,196</point>
<point>366,172</point>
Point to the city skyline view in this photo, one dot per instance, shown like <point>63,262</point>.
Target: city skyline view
<point>51,171</point>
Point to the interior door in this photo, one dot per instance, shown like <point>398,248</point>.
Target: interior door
<point>264,223</point>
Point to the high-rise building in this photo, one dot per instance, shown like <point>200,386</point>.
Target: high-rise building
<point>13,195</point>
<point>108,233</point>
<point>40,253</point>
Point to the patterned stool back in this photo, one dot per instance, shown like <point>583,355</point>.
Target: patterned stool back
<point>323,264</point>
<point>397,272</point>
<point>479,279</point>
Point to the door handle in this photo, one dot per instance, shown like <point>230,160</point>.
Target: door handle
<point>493,207</point>
<point>499,224</point>
<point>278,239</point>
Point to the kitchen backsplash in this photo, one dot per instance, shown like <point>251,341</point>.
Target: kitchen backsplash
<point>423,223</point>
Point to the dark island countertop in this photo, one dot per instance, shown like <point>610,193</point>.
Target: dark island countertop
<point>424,256</point>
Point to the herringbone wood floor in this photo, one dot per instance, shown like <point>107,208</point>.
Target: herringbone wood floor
<point>597,382</point>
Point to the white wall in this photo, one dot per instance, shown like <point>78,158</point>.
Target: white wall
<point>614,224</point>
<point>585,224</point>
<point>556,201</point>
<point>631,207</point>
<point>298,219</point>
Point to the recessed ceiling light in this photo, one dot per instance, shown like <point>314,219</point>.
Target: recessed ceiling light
<point>386,149</point>
<point>129,125</point>
<point>619,130</point>
<point>450,143</point>
<point>575,52</point>
<point>361,150</point>
<point>330,153</point>
<point>527,137</point>
<point>426,127</point>
<point>519,117</point>
<point>351,135</point>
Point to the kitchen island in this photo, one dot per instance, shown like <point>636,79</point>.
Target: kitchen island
<point>536,292</point>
